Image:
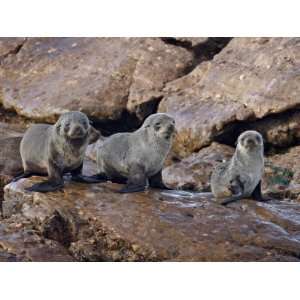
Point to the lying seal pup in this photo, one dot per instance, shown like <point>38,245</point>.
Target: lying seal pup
<point>241,176</point>
<point>137,158</point>
<point>54,150</point>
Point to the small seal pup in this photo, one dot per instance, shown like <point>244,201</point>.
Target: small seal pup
<point>241,176</point>
<point>54,150</point>
<point>137,158</point>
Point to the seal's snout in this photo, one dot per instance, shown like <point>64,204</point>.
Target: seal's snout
<point>76,131</point>
<point>171,128</point>
<point>250,142</point>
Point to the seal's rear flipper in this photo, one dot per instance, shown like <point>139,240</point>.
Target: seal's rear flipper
<point>156,182</point>
<point>44,187</point>
<point>97,178</point>
<point>257,195</point>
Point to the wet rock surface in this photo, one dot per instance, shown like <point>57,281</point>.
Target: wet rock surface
<point>100,224</point>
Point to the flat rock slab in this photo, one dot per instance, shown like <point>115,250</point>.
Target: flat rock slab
<point>95,223</point>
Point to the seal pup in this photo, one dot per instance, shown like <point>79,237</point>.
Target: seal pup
<point>54,150</point>
<point>137,158</point>
<point>241,176</point>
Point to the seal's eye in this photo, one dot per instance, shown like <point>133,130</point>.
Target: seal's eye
<point>85,124</point>
<point>258,140</point>
<point>67,127</point>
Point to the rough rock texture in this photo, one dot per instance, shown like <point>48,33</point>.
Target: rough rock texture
<point>282,174</point>
<point>249,79</point>
<point>49,76</point>
<point>19,241</point>
<point>97,223</point>
<point>10,158</point>
<point>10,45</point>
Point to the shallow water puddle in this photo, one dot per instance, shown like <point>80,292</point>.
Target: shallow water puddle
<point>185,198</point>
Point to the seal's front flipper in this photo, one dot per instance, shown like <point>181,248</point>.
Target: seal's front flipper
<point>25,175</point>
<point>232,199</point>
<point>156,182</point>
<point>137,180</point>
<point>89,179</point>
<point>46,186</point>
<point>257,195</point>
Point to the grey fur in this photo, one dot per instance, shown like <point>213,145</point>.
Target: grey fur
<point>137,158</point>
<point>241,176</point>
<point>54,150</point>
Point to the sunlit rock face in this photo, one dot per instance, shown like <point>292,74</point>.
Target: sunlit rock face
<point>249,79</point>
<point>99,76</point>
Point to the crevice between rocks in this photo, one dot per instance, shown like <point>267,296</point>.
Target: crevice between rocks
<point>14,51</point>
<point>231,131</point>
<point>203,51</point>
<point>127,122</point>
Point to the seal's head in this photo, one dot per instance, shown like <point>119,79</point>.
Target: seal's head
<point>160,125</point>
<point>250,141</point>
<point>73,125</point>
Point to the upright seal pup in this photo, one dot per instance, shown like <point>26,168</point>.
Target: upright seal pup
<point>241,176</point>
<point>54,150</point>
<point>137,158</point>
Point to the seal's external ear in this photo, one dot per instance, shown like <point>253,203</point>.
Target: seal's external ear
<point>94,135</point>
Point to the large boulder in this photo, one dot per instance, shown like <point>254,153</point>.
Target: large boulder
<point>99,76</point>
<point>95,223</point>
<point>249,79</point>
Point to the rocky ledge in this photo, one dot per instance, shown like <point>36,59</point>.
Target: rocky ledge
<point>95,223</point>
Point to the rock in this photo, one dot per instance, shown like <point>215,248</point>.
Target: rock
<point>282,174</point>
<point>280,131</point>
<point>99,76</point>
<point>193,172</point>
<point>249,79</point>
<point>20,242</point>
<point>187,42</point>
<point>10,45</point>
<point>10,158</point>
<point>103,225</point>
